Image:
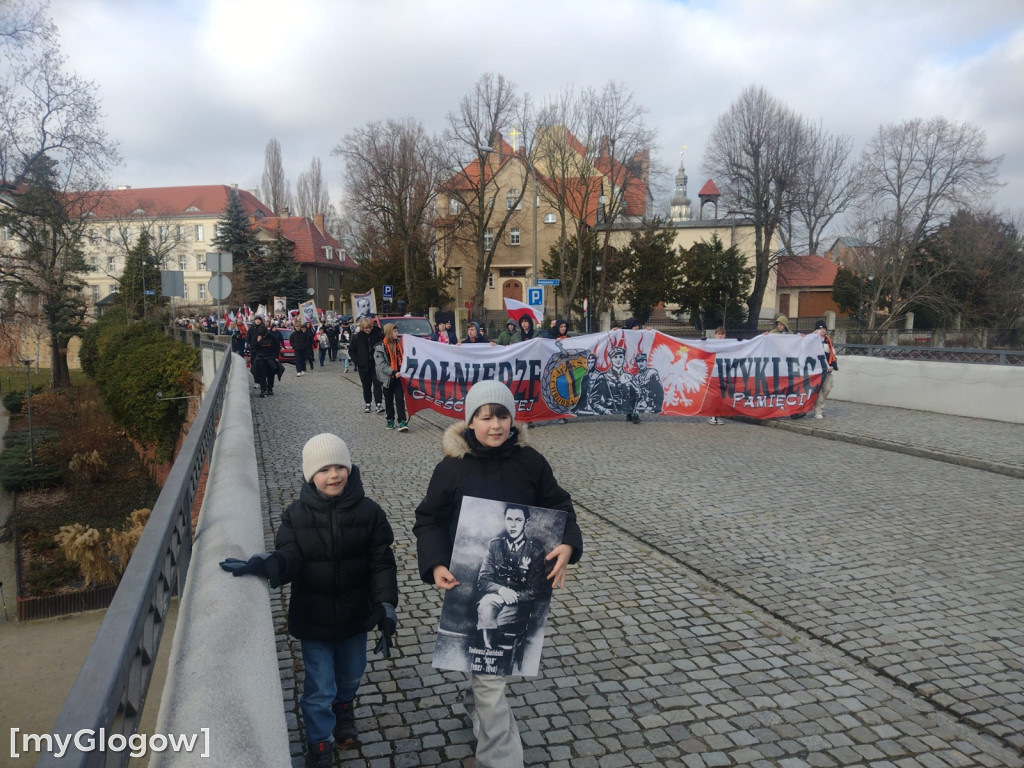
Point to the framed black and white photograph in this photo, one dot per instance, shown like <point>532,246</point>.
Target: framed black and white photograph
<point>493,622</point>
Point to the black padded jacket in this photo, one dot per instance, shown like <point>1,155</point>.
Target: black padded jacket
<point>513,472</point>
<point>337,555</point>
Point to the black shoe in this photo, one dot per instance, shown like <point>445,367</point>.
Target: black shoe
<point>270,392</point>
<point>263,394</point>
<point>636,418</point>
<point>345,731</point>
<point>319,755</point>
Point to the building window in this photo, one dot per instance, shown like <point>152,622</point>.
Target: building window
<point>490,280</point>
<point>201,261</point>
<point>127,235</point>
<point>110,264</point>
<point>185,291</point>
<point>111,288</point>
<point>199,233</point>
<point>110,234</point>
<point>3,233</point>
<point>512,272</point>
<point>95,293</point>
<point>329,252</point>
<point>458,280</point>
<point>454,206</point>
<point>94,263</point>
<point>512,200</point>
<point>550,218</point>
<point>218,230</point>
<point>330,303</point>
<point>181,232</point>
<point>163,234</point>
<point>488,239</point>
<point>513,236</point>
<point>202,290</point>
<point>330,281</point>
<point>181,263</point>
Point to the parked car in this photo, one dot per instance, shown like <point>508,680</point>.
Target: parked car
<point>287,354</point>
<point>413,326</point>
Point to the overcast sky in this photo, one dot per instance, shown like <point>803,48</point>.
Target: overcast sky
<point>194,89</point>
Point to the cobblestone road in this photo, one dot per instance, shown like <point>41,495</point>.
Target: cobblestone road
<point>747,596</point>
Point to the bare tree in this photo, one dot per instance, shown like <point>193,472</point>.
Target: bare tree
<point>916,174</point>
<point>52,149</point>
<point>755,153</point>
<point>24,24</point>
<point>311,195</point>
<point>392,172</point>
<point>827,184</point>
<point>473,157</point>
<point>565,151</point>
<point>275,189</point>
<point>624,159</point>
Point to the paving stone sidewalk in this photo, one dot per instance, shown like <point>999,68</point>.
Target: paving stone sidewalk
<point>995,446</point>
<point>747,596</point>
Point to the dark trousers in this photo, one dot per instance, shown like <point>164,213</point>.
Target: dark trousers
<point>323,354</point>
<point>263,370</point>
<point>394,397</point>
<point>368,378</point>
<point>300,361</point>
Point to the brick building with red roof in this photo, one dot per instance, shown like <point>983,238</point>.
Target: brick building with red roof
<point>182,224</point>
<point>805,287</point>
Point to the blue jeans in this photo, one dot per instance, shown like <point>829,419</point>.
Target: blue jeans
<point>333,674</point>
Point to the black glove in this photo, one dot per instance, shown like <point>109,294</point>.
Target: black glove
<point>387,626</point>
<point>265,564</point>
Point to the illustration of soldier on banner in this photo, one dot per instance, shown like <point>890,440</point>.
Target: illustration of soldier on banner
<point>493,623</point>
<point>280,306</point>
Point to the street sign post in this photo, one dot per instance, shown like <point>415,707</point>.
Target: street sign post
<point>549,281</point>
<point>388,292</point>
<point>220,287</point>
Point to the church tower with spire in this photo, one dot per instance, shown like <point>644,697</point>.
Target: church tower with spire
<point>680,202</point>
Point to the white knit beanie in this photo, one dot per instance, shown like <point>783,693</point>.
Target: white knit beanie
<point>486,393</point>
<point>324,450</point>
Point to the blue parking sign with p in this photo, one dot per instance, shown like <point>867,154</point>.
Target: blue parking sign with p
<point>389,292</point>
<point>535,297</point>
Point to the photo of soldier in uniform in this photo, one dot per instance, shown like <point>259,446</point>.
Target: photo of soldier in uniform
<point>364,304</point>
<point>493,622</point>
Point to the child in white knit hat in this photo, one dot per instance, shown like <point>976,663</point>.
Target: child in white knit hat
<point>486,457</point>
<point>334,546</point>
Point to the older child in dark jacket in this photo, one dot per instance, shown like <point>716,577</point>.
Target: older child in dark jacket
<point>487,457</point>
<point>334,546</point>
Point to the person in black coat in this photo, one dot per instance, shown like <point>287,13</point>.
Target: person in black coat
<point>487,457</point>
<point>334,547</point>
<point>302,344</point>
<point>265,346</point>
<point>360,349</point>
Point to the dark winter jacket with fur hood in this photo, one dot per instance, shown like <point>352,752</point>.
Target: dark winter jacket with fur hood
<point>513,472</point>
<point>337,555</point>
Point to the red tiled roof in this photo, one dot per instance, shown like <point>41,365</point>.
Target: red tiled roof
<point>634,192</point>
<point>309,241</point>
<point>806,272</point>
<point>708,189</point>
<point>209,200</point>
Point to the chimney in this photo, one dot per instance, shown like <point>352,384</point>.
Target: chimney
<point>284,213</point>
<point>318,221</point>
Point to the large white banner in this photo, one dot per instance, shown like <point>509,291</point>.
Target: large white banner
<point>623,372</point>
